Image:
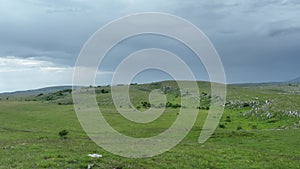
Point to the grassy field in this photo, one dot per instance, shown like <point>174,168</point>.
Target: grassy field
<point>258,130</point>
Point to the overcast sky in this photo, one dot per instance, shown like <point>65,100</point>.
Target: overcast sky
<point>257,40</point>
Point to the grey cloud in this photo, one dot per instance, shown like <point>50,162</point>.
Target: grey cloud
<point>59,6</point>
<point>290,2</point>
<point>264,3</point>
<point>242,31</point>
<point>284,31</point>
<point>66,10</point>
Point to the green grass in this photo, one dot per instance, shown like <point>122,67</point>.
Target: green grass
<point>29,134</point>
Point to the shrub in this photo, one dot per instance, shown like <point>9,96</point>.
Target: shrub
<point>104,91</point>
<point>228,119</point>
<point>222,126</point>
<point>133,84</point>
<point>50,97</point>
<point>67,91</point>
<point>203,107</point>
<point>176,106</point>
<point>63,133</point>
<point>239,128</point>
<point>246,104</point>
<point>146,104</point>
<point>169,104</point>
<point>273,120</point>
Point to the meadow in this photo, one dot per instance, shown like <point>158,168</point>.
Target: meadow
<point>259,129</point>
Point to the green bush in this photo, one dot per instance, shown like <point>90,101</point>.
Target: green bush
<point>222,126</point>
<point>169,104</point>
<point>63,133</point>
<point>246,104</point>
<point>146,104</point>
<point>228,119</point>
<point>104,91</point>
<point>203,107</point>
<point>254,127</point>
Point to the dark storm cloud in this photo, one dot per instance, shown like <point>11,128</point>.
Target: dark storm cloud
<point>43,28</point>
<point>257,39</point>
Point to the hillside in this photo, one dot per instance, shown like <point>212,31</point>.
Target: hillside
<point>267,99</point>
<point>27,93</point>
<point>259,127</point>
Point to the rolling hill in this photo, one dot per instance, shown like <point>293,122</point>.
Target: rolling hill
<point>259,127</point>
<point>27,93</point>
<point>297,80</point>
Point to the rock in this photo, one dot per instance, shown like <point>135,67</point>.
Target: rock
<point>268,114</point>
<point>90,166</point>
<point>95,155</point>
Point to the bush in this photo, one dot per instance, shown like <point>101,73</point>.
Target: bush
<point>169,104</point>
<point>239,128</point>
<point>67,91</point>
<point>104,91</point>
<point>222,126</point>
<point>146,104</point>
<point>176,106</point>
<point>228,119</point>
<point>50,97</point>
<point>63,133</point>
<point>133,84</point>
<point>246,104</point>
<point>203,107</point>
<point>273,120</point>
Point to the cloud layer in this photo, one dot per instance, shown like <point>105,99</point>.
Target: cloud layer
<point>257,40</point>
<point>22,74</point>
<point>31,73</point>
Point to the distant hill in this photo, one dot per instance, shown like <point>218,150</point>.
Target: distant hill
<point>281,87</point>
<point>45,90</point>
<point>297,80</point>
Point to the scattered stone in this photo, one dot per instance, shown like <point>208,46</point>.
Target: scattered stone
<point>269,115</point>
<point>90,166</point>
<point>95,155</point>
<point>294,113</point>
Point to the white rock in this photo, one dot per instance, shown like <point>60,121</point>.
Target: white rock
<point>95,155</point>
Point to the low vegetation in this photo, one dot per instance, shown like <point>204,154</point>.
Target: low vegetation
<point>259,129</point>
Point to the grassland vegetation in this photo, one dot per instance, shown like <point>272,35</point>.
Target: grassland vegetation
<point>259,129</point>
